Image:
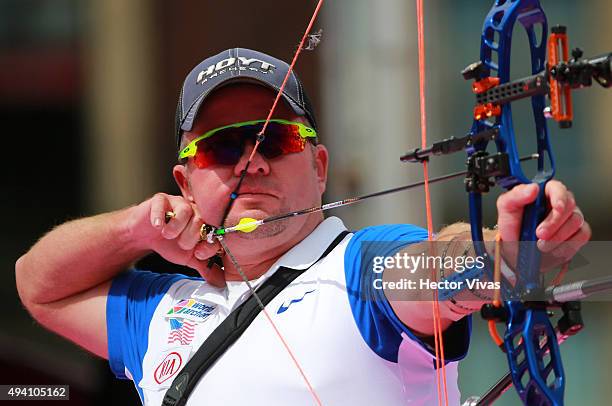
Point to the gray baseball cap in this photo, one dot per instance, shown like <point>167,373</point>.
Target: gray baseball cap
<point>235,65</point>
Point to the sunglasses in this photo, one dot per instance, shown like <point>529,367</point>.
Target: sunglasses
<point>225,145</point>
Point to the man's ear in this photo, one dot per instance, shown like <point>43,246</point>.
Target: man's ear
<point>321,162</point>
<point>181,177</point>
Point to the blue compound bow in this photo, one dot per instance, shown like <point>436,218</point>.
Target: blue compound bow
<point>530,341</point>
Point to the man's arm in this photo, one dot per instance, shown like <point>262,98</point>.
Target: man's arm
<point>564,223</point>
<point>64,279</point>
<point>414,307</point>
<point>67,274</point>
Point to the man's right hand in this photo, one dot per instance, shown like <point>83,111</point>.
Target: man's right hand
<point>178,240</point>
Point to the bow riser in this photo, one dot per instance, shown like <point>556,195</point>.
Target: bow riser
<point>529,335</point>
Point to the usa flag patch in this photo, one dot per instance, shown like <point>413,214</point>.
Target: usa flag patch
<point>181,331</point>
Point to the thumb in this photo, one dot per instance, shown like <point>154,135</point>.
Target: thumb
<point>201,256</point>
<point>213,274</point>
<point>204,254</point>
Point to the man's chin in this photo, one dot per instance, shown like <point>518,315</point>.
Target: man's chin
<point>266,231</point>
<point>257,214</point>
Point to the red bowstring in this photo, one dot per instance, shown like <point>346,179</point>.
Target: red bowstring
<point>293,358</point>
<point>259,139</point>
<point>439,345</point>
<point>286,79</point>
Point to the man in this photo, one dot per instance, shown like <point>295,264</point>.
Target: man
<point>353,345</point>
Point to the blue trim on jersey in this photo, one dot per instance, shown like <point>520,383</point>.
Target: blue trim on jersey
<point>133,297</point>
<point>379,325</point>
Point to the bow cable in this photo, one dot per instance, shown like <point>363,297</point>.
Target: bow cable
<point>438,335</point>
<point>234,195</point>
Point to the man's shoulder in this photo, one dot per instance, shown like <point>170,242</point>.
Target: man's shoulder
<point>142,284</point>
<point>391,232</point>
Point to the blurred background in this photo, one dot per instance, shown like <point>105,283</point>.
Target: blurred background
<point>88,92</point>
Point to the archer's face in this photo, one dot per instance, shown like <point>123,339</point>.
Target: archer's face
<point>271,186</point>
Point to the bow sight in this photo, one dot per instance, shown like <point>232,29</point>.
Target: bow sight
<point>560,77</point>
<point>557,80</point>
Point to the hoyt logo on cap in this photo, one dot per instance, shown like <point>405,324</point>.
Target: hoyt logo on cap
<point>234,64</point>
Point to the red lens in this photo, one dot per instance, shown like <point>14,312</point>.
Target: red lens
<point>281,139</point>
<point>223,148</point>
<point>227,145</point>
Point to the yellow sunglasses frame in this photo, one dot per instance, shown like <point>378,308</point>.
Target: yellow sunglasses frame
<point>191,149</point>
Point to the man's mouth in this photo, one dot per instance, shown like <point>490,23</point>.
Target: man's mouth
<point>255,192</point>
<point>255,196</point>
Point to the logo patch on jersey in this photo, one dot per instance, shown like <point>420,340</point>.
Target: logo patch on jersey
<point>285,306</point>
<point>190,309</point>
<point>181,331</point>
<point>168,367</point>
<point>183,317</point>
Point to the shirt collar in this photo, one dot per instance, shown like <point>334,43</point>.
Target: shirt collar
<point>310,249</point>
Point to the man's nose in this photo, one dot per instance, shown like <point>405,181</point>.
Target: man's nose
<point>258,165</point>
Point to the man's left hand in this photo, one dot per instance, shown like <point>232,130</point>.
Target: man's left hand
<point>564,230</point>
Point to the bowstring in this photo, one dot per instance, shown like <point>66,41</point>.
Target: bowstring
<point>437,325</point>
<point>267,315</point>
<point>260,138</point>
<point>261,135</point>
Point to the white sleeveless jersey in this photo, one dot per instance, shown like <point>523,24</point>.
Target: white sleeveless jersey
<point>354,351</point>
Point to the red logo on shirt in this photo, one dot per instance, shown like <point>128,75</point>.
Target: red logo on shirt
<point>168,367</point>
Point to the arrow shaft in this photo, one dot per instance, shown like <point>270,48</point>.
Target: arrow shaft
<point>336,204</point>
<point>344,202</point>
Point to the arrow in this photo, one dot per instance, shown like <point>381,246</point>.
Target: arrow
<point>247,225</point>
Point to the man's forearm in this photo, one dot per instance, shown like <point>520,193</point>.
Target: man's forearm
<point>77,256</point>
<point>414,306</point>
